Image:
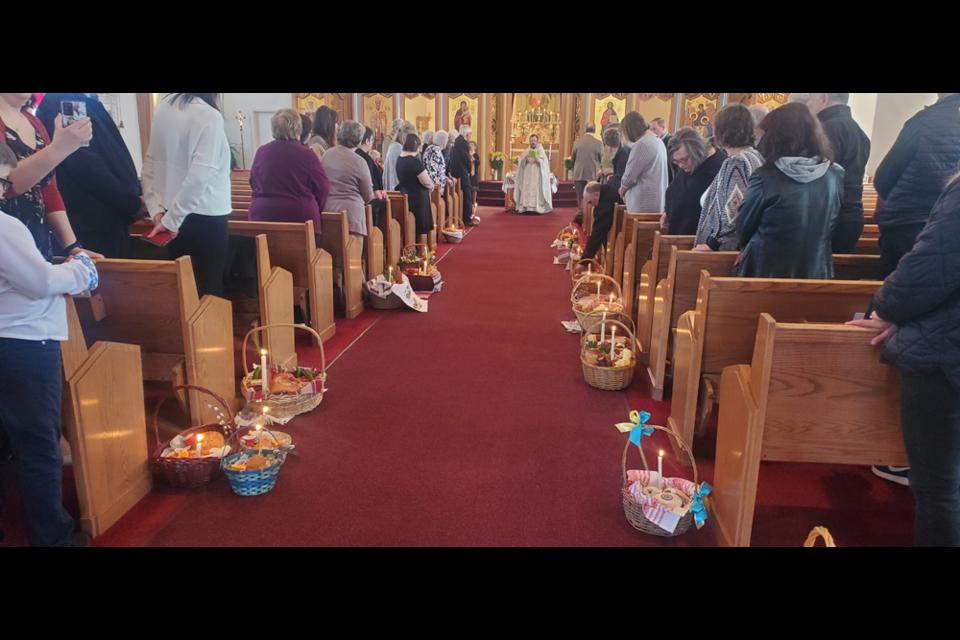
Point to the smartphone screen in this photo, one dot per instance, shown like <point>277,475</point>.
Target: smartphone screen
<point>71,111</point>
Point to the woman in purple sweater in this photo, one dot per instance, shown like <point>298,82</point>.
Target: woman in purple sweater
<point>288,181</point>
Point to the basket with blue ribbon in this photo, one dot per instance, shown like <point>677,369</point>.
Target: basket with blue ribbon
<point>254,472</point>
<point>662,507</point>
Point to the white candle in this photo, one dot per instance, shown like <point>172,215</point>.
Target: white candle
<point>391,275</point>
<point>603,329</point>
<point>259,439</point>
<point>660,469</point>
<point>613,342</point>
<point>589,269</point>
<point>199,446</point>
<point>264,374</point>
<point>598,291</point>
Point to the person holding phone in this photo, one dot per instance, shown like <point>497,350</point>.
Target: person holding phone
<point>32,196</point>
<point>99,183</point>
<point>186,184</point>
<point>33,321</point>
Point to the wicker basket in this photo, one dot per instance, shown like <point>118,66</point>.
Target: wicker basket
<point>419,263</point>
<point>581,268</point>
<point>255,482</point>
<point>282,406</point>
<point>386,304</point>
<point>189,473</point>
<point>816,534</point>
<point>455,232</point>
<point>594,319</point>
<point>634,510</point>
<point>611,378</point>
<point>585,286</point>
<point>564,251</point>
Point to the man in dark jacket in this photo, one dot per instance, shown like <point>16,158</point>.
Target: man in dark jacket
<point>914,174</point>
<point>604,199</point>
<point>918,315</point>
<point>851,150</point>
<point>99,183</point>
<point>461,163</point>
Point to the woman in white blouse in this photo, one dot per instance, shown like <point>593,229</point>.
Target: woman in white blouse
<point>186,183</point>
<point>33,321</point>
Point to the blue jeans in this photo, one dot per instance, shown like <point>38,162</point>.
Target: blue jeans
<point>930,412</point>
<point>31,375</point>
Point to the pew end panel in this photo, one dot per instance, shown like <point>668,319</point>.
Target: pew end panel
<point>210,357</point>
<point>321,295</point>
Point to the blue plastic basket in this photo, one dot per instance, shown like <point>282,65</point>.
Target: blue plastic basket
<point>252,483</point>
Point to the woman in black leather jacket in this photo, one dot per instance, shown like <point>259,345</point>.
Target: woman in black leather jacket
<point>918,316</point>
<point>793,201</point>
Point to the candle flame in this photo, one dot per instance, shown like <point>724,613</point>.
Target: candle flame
<point>661,454</point>
<point>263,352</point>
<point>200,438</point>
<point>259,426</point>
<point>266,410</point>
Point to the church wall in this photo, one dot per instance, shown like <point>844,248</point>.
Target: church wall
<point>893,110</point>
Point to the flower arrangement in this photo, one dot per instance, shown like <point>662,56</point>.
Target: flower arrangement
<point>497,160</point>
<point>568,163</point>
<point>516,161</point>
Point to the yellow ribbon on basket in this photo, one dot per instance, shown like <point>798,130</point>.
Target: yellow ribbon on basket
<point>816,534</point>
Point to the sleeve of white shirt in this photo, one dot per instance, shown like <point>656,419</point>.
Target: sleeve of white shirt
<point>150,198</point>
<point>204,166</point>
<point>22,266</point>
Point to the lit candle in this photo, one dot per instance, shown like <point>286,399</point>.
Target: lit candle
<point>391,275</point>
<point>199,446</point>
<point>613,343</point>
<point>603,329</point>
<point>598,291</point>
<point>660,469</point>
<point>264,374</point>
<point>260,439</point>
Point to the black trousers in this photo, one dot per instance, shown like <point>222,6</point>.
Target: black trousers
<point>847,235</point>
<point>111,243</point>
<point>206,241</point>
<point>579,186</point>
<point>930,413</point>
<point>896,243</point>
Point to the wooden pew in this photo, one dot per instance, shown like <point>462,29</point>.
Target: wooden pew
<point>273,306</point>
<point>399,210</point>
<point>719,333</point>
<point>643,236</point>
<point>347,253</point>
<point>815,393</point>
<point>293,247</point>
<point>182,339</point>
<point>853,267</point>
<point>373,247</point>
<point>871,231</point>
<point>439,205</point>
<point>677,294</point>
<point>587,220</point>
<point>614,249</point>
<point>104,421</point>
<point>868,247</point>
<point>652,274</point>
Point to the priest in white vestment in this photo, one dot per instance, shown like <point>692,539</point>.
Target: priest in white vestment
<point>533,189</point>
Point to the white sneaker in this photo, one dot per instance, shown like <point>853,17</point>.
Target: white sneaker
<point>898,475</point>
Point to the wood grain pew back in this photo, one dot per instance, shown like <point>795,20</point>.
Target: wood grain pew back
<point>293,248</point>
<point>814,393</point>
<point>653,272</point>
<point>347,254</point>
<point>182,339</point>
<point>720,332</point>
<point>373,247</point>
<point>105,423</point>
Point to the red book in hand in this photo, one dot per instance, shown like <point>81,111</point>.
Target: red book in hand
<point>162,239</point>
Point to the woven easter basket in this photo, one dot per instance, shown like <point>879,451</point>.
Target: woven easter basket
<point>586,286</point>
<point>252,482</point>
<point>284,406</point>
<point>421,249</point>
<point>582,268</point>
<point>564,251</point>
<point>594,321</point>
<point>455,232</point>
<point>386,304</point>
<point>189,473</point>
<point>611,378</point>
<point>816,534</point>
<point>634,510</point>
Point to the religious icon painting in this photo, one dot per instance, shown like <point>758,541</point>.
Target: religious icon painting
<point>462,111</point>
<point>772,100</point>
<point>308,103</point>
<point>607,112</point>
<point>699,113</point>
<point>378,111</point>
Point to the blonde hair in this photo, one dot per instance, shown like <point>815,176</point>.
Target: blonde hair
<point>286,125</point>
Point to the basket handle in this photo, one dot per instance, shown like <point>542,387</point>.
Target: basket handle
<point>680,441</point>
<point>599,314</point>
<point>816,534</point>
<point>234,434</point>
<point>595,278</point>
<point>187,387</point>
<point>456,225</point>
<point>323,355</point>
<point>418,245</point>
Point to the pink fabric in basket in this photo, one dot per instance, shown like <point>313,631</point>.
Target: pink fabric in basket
<point>639,480</point>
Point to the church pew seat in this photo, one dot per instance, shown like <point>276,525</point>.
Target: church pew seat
<point>871,231</point>
<point>677,294</point>
<point>868,247</point>
<point>719,333</point>
<point>347,254</point>
<point>814,393</point>
<point>293,247</point>
<point>373,248</point>
<point>398,208</point>
<point>182,339</point>
<point>272,306</point>
<point>643,236</point>
<point>439,205</point>
<point>652,273</point>
<point>587,221</point>
<point>105,423</point>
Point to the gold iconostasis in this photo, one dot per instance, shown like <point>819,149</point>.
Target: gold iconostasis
<point>504,121</point>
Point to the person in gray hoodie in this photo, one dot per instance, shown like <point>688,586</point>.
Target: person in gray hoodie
<point>787,220</point>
